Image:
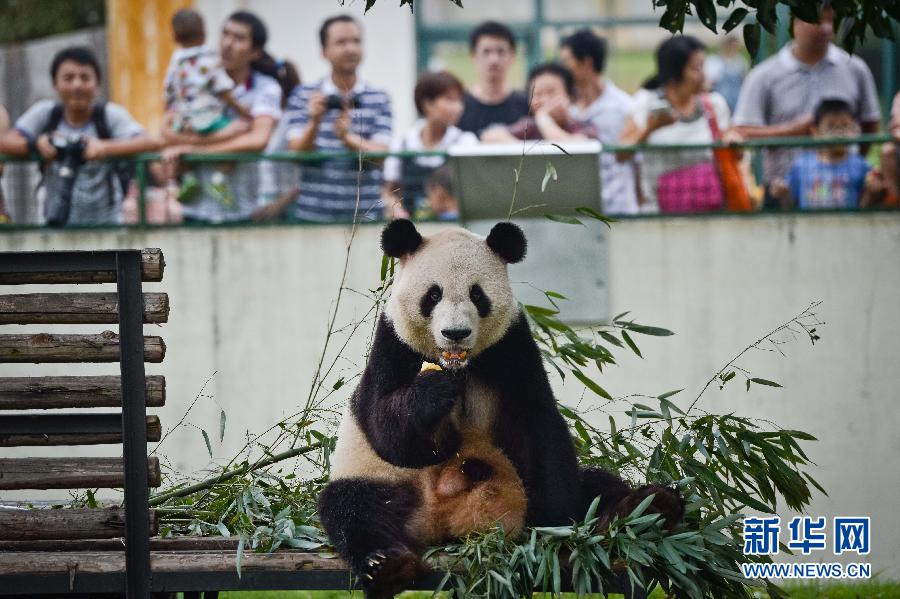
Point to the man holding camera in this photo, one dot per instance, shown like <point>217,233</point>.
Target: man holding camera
<point>83,186</point>
<point>341,113</point>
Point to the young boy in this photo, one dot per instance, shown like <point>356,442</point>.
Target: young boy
<point>829,176</point>
<point>198,90</point>
<point>442,202</point>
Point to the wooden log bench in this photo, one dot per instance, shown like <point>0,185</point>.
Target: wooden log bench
<point>110,551</point>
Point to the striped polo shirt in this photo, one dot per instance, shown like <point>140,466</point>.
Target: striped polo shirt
<point>328,189</point>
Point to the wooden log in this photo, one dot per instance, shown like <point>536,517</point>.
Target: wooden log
<point>154,434</point>
<point>44,347</point>
<point>152,267</point>
<point>53,392</point>
<point>87,523</point>
<point>103,562</point>
<point>69,473</point>
<point>190,543</point>
<point>76,308</point>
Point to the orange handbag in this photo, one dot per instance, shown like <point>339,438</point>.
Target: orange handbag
<point>737,198</point>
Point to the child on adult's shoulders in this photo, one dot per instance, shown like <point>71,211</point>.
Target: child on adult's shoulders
<point>833,176</point>
<point>551,91</point>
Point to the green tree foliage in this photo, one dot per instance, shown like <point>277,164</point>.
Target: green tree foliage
<point>853,18</point>
<point>24,20</point>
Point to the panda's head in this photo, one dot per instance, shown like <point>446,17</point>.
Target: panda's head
<point>452,297</point>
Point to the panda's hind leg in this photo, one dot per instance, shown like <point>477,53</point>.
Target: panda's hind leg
<point>366,522</point>
<point>619,499</point>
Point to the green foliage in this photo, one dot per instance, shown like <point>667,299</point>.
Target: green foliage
<point>264,510</point>
<point>853,18</point>
<point>633,550</point>
<point>29,19</point>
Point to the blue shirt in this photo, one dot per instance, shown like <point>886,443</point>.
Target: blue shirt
<point>815,184</point>
<point>328,189</point>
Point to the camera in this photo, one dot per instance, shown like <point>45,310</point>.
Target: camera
<point>337,102</point>
<point>70,156</point>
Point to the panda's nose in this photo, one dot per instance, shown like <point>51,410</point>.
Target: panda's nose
<point>456,334</point>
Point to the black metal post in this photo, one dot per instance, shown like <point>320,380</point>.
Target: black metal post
<point>134,425</point>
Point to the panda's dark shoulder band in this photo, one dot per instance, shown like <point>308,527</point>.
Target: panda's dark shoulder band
<point>389,348</point>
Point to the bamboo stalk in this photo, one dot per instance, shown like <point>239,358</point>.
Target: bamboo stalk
<point>214,480</point>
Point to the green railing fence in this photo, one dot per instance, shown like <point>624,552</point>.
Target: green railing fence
<point>145,183</point>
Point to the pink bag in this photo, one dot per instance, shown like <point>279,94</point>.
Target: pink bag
<point>694,188</point>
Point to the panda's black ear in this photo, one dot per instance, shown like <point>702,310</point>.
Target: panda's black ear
<point>400,238</point>
<point>508,242</point>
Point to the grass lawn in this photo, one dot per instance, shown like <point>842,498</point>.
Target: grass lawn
<point>824,590</point>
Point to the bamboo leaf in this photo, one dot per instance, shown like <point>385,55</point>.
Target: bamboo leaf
<point>591,384</point>
<point>239,555</point>
<point>631,343</point>
<point>549,173</point>
<point>561,218</point>
<point>222,419</point>
<point>208,444</point>
<point>769,383</point>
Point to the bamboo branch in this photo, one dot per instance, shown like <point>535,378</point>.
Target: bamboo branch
<point>214,480</point>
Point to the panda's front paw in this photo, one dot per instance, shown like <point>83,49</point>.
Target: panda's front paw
<point>435,394</point>
<point>386,573</point>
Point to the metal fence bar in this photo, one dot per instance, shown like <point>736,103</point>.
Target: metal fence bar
<point>134,425</point>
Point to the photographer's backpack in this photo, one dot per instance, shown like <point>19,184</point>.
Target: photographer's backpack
<point>121,169</point>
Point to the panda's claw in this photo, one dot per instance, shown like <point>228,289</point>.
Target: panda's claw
<point>387,573</point>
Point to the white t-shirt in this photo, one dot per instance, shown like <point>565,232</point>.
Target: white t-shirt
<point>687,131</point>
<point>412,142</point>
<point>238,197</point>
<point>607,114</point>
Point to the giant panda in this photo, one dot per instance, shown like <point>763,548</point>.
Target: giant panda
<point>452,304</point>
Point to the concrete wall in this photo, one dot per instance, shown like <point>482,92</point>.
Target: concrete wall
<point>250,305</point>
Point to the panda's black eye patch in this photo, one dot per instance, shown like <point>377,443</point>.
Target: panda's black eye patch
<point>430,300</point>
<point>481,301</point>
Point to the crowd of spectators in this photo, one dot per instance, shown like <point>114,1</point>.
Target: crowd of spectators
<point>237,98</point>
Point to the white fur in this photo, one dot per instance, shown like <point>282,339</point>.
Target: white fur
<point>354,457</point>
<point>455,260</point>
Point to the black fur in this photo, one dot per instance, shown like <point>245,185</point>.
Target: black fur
<point>401,410</point>
<point>529,429</point>
<point>403,414</point>
<point>508,242</point>
<point>400,238</point>
<point>480,299</point>
<point>366,520</point>
<point>431,299</point>
<point>476,470</point>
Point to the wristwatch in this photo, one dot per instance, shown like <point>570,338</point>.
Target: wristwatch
<point>32,145</point>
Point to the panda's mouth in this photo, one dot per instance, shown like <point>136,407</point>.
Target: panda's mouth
<point>454,359</point>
